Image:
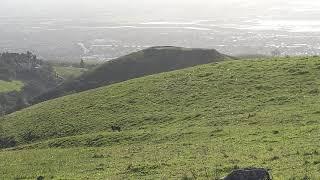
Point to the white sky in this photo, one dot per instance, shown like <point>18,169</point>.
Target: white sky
<point>152,8</point>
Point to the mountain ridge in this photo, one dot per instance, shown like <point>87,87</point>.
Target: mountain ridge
<point>138,64</point>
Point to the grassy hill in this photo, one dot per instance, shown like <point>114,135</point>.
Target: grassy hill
<point>8,86</point>
<point>69,72</point>
<point>146,62</point>
<point>199,122</point>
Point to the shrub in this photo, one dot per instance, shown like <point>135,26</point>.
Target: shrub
<point>7,142</point>
<point>29,136</point>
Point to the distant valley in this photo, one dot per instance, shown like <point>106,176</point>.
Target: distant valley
<point>103,41</point>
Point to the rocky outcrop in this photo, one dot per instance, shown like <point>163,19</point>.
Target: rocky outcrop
<point>249,174</point>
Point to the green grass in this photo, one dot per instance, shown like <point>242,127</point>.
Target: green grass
<point>6,86</point>
<point>202,121</point>
<point>69,72</point>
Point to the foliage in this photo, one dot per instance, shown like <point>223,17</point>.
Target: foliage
<point>22,77</point>
<point>82,64</point>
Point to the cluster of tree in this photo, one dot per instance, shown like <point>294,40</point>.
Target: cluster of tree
<point>276,53</point>
<point>12,64</point>
<point>10,100</point>
<point>37,76</point>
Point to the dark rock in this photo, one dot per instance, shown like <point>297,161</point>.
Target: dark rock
<point>40,178</point>
<point>249,174</point>
<point>116,128</point>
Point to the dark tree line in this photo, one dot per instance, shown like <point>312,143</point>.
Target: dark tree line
<point>38,76</point>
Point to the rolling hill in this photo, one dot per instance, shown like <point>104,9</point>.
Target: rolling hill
<point>146,62</point>
<point>199,122</point>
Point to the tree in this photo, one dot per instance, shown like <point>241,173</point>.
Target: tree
<point>21,102</point>
<point>29,54</point>
<point>82,64</point>
<point>276,52</point>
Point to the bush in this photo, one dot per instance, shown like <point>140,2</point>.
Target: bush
<point>7,142</point>
<point>29,136</point>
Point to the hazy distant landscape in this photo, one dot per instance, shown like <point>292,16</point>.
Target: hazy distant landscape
<point>160,89</point>
<point>108,31</point>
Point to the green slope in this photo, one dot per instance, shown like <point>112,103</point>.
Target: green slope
<point>6,86</point>
<point>202,121</point>
<point>138,64</point>
<point>69,72</point>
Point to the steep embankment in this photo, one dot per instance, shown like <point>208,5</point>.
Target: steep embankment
<point>146,62</point>
<point>202,121</point>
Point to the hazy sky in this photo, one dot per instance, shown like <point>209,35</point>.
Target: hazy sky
<point>158,9</point>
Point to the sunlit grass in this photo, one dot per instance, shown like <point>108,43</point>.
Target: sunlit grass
<point>69,72</point>
<point>7,86</point>
<point>202,121</point>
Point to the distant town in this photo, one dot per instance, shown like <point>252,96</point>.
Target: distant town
<point>100,42</point>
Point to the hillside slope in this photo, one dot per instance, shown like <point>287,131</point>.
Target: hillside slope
<point>146,62</point>
<point>202,122</point>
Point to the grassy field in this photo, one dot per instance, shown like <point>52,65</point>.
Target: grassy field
<point>6,86</point>
<point>200,122</point>
<point>69,72</point>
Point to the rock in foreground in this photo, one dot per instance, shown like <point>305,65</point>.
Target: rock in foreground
<point>249,174</point>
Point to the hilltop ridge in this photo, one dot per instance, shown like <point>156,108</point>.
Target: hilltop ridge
<point>146,62</point>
